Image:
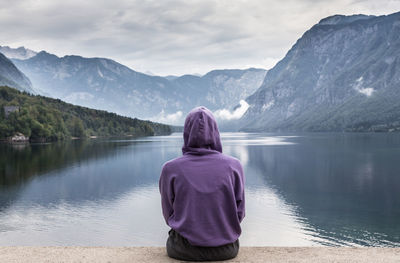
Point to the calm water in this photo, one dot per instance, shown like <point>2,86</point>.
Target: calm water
<point>303,190</point>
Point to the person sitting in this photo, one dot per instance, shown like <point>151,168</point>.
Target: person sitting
<point>202,194</point>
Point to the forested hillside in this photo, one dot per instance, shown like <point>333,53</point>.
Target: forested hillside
<point>46,119</point>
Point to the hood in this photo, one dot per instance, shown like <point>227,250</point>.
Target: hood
<point>200,133</point>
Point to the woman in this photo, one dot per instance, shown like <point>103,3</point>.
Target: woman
<point>202,194</point>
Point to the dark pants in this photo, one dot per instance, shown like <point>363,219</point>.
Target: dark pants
<point>179,247</point>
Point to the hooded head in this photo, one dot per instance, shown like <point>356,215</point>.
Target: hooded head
<point>200,133</point>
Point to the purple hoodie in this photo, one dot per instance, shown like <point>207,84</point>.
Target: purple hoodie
<point>202,192</point>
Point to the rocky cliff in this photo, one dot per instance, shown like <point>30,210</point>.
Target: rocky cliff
<point>342,75</point>
<point>12,77</point>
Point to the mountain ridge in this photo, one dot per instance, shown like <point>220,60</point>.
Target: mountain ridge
<point>10,75</point>
<point>105,84</point>
<point>336,77</point>
<point>20,52</point>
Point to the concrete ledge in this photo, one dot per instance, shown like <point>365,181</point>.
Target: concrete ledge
<point>158,254</point>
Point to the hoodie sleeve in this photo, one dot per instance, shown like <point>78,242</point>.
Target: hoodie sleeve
<point>239,192</point>
<point>167,192</point>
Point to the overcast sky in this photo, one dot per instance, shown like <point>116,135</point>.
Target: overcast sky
<point>172,37</point>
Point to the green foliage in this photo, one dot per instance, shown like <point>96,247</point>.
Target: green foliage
<point>75,127</point>
<point>46,119</point>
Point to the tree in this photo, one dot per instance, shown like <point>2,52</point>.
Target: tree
<point>38,131</point>
<point>76,128</point>
<point>5,130</point>
<point>49,119</point>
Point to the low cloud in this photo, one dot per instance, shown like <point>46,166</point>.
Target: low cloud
<point>366,91</point>
<point>173,118</point>
<point>225,114</point>
<point>359,87</point>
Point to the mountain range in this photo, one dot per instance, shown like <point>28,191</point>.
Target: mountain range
<point>19,53</point>
<point>343,74</point>
<point>102,83</point>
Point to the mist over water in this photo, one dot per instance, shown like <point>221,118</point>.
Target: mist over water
<point>301,190</point>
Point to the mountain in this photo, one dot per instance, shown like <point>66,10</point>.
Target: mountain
<point>105,84</point>
<point>220,88</point>
<point>343,74</point>
<point>12,77</point>
<point>97,83</point>
<point>171,77</point>
<point>18,53</point>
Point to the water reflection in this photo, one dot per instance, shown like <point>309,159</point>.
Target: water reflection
<point>81,170</point>
<point>303,189</point>
<point>123,221</point>
<point>344,187</point>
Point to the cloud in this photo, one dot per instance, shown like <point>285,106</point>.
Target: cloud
<point>172,37</point>
<point>366,91</point>
<point>173,118</point>
<point>358,86</point>
<point>225,114</point>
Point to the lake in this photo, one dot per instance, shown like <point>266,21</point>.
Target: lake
<point>313,189</point>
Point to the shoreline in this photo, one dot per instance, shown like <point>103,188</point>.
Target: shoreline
<point>158,254</point>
